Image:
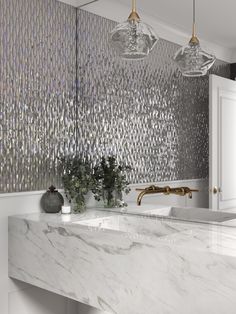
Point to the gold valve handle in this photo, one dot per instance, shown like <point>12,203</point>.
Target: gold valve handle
<point>166,190</point>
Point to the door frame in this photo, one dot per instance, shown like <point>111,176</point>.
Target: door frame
<point>213,143</point>
<point>215,94</point>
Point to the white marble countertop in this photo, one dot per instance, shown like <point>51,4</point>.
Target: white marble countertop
<point>127,264</point>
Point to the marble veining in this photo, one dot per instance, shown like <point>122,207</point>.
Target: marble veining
<point>149,266</point>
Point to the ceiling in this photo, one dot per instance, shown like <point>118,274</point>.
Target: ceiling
<point>216,21</point>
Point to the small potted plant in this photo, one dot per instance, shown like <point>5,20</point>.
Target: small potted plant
<point>110,182</point>
<point>77,179</point>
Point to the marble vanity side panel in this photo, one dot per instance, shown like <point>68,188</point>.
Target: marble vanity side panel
<point>145,112</point>
<point>18,297</point>
<point>37,91</point>
<point>126,274</point>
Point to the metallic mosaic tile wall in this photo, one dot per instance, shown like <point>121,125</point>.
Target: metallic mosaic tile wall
<point>143,111</point>
<point>37,91</point>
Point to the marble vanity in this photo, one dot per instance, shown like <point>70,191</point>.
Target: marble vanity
<point>128,264</point>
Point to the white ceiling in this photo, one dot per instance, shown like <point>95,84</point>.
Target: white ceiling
<point>216,19</point>
<point>172,19</point>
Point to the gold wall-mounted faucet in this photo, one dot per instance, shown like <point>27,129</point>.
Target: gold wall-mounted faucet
<point>166,190</point>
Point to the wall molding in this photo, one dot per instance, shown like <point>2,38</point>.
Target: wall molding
<point>21,194</point>
<point>40,192</point>
<point>171,183</point>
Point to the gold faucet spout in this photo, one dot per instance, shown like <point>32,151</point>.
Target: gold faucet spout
<point>140,196</point>
<point>149,190</point>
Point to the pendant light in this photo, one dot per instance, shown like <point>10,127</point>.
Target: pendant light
<point>191,59</point>
<point>133,39</point>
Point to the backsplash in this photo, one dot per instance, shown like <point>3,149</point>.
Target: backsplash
<point>37,91</point>
<point>143,111</point>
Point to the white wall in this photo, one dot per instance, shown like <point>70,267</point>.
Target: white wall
<point>19,298</point>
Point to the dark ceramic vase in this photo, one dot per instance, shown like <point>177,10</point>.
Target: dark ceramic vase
<point>52,201</point>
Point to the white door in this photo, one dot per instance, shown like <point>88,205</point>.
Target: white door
<point>222,159</point>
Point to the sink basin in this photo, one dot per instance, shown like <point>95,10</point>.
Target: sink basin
<point>133,208</point>
<point>181,213</point>
<point>132,224</point>
<point>133,219</point>
<point>192,214</point>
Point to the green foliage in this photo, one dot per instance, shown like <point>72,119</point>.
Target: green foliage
<point>110,178</point>
<point>107,180</point>
<point>77,179</point>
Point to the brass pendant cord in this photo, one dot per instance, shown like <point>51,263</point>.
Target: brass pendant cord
<point>134,15</point>
<point>133,5</point>
<point>194,40</point>
<point>194,19</point>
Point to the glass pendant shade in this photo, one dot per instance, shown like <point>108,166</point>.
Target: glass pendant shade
<point>191,59</point>
<point>133,39</point>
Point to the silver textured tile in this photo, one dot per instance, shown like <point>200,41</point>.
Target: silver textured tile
<point>37,91</point>
<point>145,112</point>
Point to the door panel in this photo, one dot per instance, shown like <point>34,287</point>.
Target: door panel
<point>227,149</point>
<point>222,159</point>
